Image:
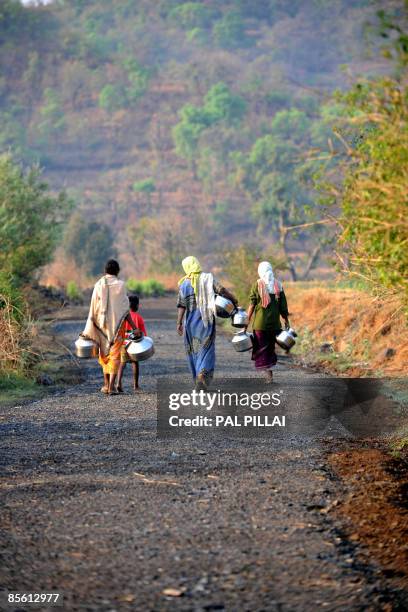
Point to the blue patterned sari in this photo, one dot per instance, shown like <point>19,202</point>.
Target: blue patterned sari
<point>199,340</point>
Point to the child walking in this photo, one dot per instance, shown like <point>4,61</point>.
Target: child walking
<point>124,359</point>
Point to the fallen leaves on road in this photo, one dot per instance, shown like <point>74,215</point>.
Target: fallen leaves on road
<point>154,481</point>
<point>127,597</point>
<point>171,592</point>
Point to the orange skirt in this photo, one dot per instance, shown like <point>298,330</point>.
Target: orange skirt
<point>110,363</point>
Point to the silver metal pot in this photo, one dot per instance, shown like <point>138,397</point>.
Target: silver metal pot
<point>224,308</point>
<point>242,341</point>
<point>240,318</point>
<point>286,339</point>
<point>85,349</point>
<point>140,349</point>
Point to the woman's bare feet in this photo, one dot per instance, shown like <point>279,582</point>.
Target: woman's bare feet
<point>201,383</point>
<point>105,390</point>
<point>269,376</point>
<point>119,389</point>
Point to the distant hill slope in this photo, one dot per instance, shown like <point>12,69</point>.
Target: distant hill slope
<point>94,90</point>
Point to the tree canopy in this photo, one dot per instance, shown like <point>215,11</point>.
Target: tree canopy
<point>30,219</point>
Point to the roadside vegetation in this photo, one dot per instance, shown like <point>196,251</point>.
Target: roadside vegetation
<point>31,221</point>
<point>369,183</point>
<point>364,331</point>
<point>358,326</point>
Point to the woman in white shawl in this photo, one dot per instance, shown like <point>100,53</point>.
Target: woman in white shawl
<point>196,302</point>
<point>268,303</point>
<point>106,320</point>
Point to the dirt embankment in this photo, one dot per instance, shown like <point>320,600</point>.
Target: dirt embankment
<point>374,504</point>
<point>349,331</point>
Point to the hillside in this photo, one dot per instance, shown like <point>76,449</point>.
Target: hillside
<point>181,125</point>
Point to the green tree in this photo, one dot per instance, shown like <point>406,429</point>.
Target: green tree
<point>372,195</point>
<point>89,243</point>
<point>112,98</point>
<point>192,15</point>
<point>30,219</point>
<point>52,113</point>
<point>138,78</point>
<point>186,133</point>
<point>12,132</point>
<point>220,104</point>
<point>147,187</point>
<point>229,31</point>
<point>276,176</point>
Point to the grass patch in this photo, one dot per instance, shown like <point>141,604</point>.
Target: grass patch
<point>16,387</point>
<point>146,288</point>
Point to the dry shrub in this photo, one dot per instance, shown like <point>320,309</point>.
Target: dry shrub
<point>63,270</point>
<point>360,328</point>
<point>15,338</point>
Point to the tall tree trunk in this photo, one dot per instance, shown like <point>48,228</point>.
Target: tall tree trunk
<point>314,256</point>
<point>283,236</point>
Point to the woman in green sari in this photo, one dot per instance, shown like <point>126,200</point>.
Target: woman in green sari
<point>267,304</point>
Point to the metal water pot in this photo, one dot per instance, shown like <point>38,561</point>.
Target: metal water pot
<point>240,318</point>
<point>242,341</point>
<point>224,308</point>
<point>140,349</point>
<point>286,339</point>
<point>85,349</point>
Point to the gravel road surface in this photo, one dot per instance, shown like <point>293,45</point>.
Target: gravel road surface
<point>95,507</point>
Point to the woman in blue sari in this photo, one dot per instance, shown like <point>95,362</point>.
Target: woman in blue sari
<point>197,290</point>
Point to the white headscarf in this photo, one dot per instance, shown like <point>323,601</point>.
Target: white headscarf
<point>265,272</point>
<point>267,284</point>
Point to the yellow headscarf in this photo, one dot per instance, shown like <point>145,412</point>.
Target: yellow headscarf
<point>192,268</point>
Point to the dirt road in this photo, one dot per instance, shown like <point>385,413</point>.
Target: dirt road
<point>96,507</point>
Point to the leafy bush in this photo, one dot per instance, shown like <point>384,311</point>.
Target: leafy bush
<point>73,292</point>
<point>89,243</point>
<point>373,195</point>
<point>374,198</point>
<point>30,219</point>
<point>193,15</point>
<point>15,330</point>
<point>52,113</point>
<point>197,35</point>
<point>11,294</point>
<point>145,186</point>
<point>112,98</point>
<point>152,287</point>
<point>229,32</point>
<point>138,78</point>
<point>221,104</point>
<point>134,286</point>
<point>146,288</point>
